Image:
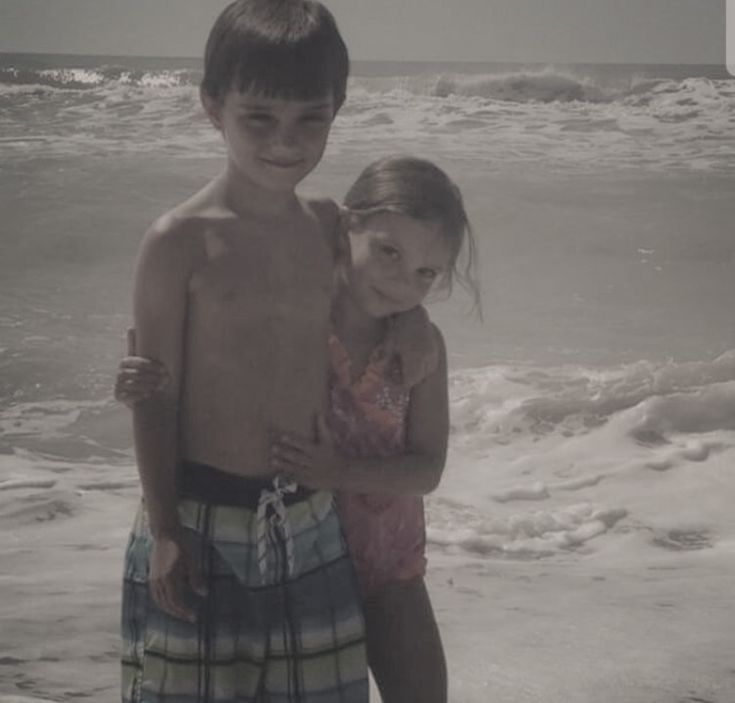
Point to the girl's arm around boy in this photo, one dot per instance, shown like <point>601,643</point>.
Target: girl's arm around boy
<point>417,471</point>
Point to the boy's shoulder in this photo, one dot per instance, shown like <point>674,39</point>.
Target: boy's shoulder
<point>187,221</point>
<point>332,223</point>
<point>327,212</point>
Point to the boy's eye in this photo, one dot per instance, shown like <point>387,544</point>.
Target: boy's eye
<point>258,117</point>
<point>315,118</point>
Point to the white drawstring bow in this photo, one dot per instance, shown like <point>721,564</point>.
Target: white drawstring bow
<point>267,526</point>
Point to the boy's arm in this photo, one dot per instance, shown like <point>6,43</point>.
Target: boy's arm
<point>417,471</point>
<point>334,222</point>
<point>160,301</point>
<point>159,308</point>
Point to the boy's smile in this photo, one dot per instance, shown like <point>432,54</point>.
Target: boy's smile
<point>272,142</point>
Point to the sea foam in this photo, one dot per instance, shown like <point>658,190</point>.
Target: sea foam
<point>557,117</point>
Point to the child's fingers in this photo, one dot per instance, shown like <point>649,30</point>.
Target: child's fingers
<point>292,441</point>
<point>130,340</point>
<point>138,360</point>
<point>123,397</point>
<point>137,382</point>
<point>284,466</point>
<point>141,363</point>
<point>292,456</point>
<point>195,577</point>
<point>138,373</point>
<point>287,459</point>
<point>169,597</point>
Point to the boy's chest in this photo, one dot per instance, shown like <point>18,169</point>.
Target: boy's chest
<point>257,277</point>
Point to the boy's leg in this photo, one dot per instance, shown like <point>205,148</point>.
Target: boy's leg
<point>404,647</point>
<point>284,625</point>
<point>316,651</point>
<point>316,645</point>
<point>220,657</point>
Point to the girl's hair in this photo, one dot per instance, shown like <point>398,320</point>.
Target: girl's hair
<point>419,189</point>
<point>281,48</point>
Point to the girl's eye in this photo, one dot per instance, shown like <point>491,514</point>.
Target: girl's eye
<point>390,252</point>
<point>427,274</point>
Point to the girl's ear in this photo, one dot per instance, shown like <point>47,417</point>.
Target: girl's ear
<point>213,108</point>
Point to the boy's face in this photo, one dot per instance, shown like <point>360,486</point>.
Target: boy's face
<point>273,142</point>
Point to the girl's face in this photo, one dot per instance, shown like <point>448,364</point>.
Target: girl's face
<point>395,261</point>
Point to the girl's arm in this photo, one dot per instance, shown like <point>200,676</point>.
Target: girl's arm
<point>415,472</point>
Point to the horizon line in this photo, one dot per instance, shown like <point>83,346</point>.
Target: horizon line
<point>362,60</point>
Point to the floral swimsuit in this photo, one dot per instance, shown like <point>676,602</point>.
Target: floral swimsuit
<point>385,532</point>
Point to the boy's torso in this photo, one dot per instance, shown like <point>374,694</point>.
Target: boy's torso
<point>255,338</point>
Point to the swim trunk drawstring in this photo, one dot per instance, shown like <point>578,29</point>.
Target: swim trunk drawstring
<point>267,526</point>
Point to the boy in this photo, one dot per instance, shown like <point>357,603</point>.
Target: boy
<point>237,584</point>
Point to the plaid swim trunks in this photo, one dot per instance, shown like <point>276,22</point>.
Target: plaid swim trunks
<point>281,622</point>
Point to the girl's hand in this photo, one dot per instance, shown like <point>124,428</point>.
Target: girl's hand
<point>314,464</point>
<point>139,378</point>
<point>414,340</point>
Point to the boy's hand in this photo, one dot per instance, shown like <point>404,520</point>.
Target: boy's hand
<point>139,378</point>
<point>315,464</point>
<point>172,567</point>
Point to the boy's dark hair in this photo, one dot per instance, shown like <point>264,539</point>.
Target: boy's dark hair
<point>280,48</point>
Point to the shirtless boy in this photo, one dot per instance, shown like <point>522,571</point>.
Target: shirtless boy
<point>237,584</point>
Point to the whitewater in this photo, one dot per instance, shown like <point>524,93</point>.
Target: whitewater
<point>571,117</point>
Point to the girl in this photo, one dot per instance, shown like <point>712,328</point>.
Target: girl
<point>384,444</point>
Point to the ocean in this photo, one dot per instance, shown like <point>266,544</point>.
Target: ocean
<point>593,400</point>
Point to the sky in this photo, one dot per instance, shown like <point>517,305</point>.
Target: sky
<point>640,31</point>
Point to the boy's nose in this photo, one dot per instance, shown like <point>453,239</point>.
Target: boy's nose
<point>287,137</point>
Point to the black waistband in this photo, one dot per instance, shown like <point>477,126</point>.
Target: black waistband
<point>209,485</point>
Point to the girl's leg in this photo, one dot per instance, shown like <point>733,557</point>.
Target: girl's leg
<point>403,644</point>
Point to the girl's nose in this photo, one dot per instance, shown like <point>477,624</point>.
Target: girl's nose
<point>407,285</point>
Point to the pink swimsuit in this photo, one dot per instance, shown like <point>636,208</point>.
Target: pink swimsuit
<point>385,533</point>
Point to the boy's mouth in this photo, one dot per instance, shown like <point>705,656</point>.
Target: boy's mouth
<point>278,163</point>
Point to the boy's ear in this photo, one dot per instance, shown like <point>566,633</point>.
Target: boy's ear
<point>213,108</point>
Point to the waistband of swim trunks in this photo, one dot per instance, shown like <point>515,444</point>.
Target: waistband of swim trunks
<point>207,484</point>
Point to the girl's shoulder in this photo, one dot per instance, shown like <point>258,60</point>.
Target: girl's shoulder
<point>418,344</point>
